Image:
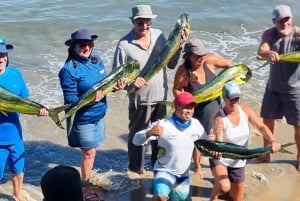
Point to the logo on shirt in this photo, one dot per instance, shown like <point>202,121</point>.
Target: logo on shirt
<point>102,71</point>
<point>161,152</point>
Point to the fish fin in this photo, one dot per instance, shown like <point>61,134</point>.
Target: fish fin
<point>71,125</point>
<point>283,150</point>
<point>53,113</point>
<point>4,113</point>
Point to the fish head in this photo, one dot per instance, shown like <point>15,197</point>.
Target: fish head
<point>244,74</point>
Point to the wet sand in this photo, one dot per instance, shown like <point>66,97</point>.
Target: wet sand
<point>276,181</point>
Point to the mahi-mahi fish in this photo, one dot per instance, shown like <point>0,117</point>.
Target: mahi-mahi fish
<point>128,72</point>
<point>233,151</point>
<point>10,102</point>
<point>174,42</point>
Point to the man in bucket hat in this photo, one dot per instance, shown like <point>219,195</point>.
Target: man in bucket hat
<point>12,150</point>
<point>282,93</point>
<point>143,43</point>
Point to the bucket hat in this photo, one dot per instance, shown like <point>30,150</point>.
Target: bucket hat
<point>80,35</point>
<point>142,11</point>
<point>5,48</point>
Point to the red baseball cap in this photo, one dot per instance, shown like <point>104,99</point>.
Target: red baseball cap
<point>184,98</point>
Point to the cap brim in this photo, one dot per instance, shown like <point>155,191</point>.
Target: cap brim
<point>9,47</point>
<point>234,96</point>
<point>143,16</point>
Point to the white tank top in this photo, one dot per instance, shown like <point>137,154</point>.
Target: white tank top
<point>237,134</point>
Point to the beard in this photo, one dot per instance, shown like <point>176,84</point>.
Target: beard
<point>285,31</point>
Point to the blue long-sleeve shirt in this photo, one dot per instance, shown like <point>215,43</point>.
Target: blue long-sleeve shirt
<point>10,126</point>
<point>78,76</point>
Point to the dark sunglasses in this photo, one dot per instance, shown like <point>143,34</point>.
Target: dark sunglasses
<point>141,23</point>
<point>84,44</point>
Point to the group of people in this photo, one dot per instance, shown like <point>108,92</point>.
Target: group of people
<point>172,138</point>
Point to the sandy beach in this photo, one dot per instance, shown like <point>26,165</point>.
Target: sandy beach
<point>276,181</point>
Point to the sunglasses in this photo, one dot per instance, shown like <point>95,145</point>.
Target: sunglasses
<point>84,44</point>
<point>142,23</point>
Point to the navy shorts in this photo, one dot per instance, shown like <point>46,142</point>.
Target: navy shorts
<point>235,175</point>
<point>87,136</point>
<point>14,155</point>
<point>276,105</point>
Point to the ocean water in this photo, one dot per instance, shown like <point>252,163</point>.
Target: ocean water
<point>39,28</point>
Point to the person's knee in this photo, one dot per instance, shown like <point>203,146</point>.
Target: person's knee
<point>89,153</point>
<point>224,186</point>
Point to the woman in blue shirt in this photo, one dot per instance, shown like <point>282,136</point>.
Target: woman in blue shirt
<point>12,148</point>
<point>81,71</point>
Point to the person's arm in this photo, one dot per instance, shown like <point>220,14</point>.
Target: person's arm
<point>174,60</point>
<point>119,57</point>
<point>264,49</point>
<point>197,158</point>
<point>217,62</point>
<point>181,80</point>
<point>144,136</point>
<point>69,86</point>
<point>263,129</point>
<point>218,127</point>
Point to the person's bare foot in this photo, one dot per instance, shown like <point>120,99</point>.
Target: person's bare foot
<point>134,175</point>
<point>19,198</point>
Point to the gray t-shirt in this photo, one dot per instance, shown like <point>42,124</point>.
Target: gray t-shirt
<point>129,49</point>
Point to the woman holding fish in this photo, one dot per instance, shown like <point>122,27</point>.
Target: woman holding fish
<point>197,70</point>
<point>12,148</point>
<point>231,125</point>
<point>81,71</point>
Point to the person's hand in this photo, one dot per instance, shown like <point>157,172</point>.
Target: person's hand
<point>156,130</point>
<point>120,84</point>
<point>99,95</point>
<point>211,136</point>
<point>276,146</point>
<point>139,82</point>
<point>273,56</point>
<point>43,112</point>
<point>199,172</point>
<point>184,34</point>
<point>216,155</point>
